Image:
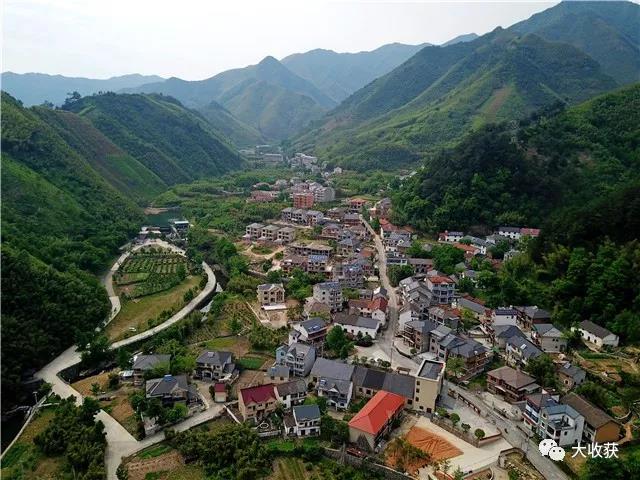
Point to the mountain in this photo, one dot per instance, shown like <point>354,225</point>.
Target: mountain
<point>36,88</point>
<point>442,92</point>
<point>223,121</point>
<point>338,75</point>
<point>607,31</point>
<point>60,220</point>
<point>176,144</point>
<point>467,37</point>
<point>557,161</point>
<point>256,95</point>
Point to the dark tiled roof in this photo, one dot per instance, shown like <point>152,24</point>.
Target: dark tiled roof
<point>592,414</point>
<point>597,330</point>
<point>147,362</point>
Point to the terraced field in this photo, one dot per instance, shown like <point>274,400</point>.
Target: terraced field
<point>149,271</point>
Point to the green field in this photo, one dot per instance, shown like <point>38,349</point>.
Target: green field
<point>250,363</point>
<point>149,271</point>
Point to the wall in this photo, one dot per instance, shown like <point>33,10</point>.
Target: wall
<point>348,459</point>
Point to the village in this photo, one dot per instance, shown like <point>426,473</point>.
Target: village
<point>415,374</point>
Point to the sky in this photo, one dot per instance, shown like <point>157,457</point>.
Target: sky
<point>194,39</point>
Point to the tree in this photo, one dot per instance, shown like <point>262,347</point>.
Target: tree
<point>458,474</point>
<point>455,418</point>
<point>544,371</point>
<point>95,389</point>
<point>479,433</point>
<point>455,365</point>
<point>466,427</point>
<point>336,339</point>
<point>396,273</point>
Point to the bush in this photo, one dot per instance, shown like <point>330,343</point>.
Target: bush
<point>479,433</point>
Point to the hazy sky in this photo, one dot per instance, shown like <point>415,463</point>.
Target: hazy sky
<point>195,39</point>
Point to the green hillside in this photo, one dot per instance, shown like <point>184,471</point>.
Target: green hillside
<point>452,90</point>
<point>506,175</point>
<point>223,121</point>
<point>60,219</point>
<point>174,143</point>
<point>607,31</point>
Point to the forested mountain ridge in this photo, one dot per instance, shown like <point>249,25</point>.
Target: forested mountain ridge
<point>36,88</point>
<point>174,143</point>
<point>506,174</point>
<point>442,92</point>
<point>340,74</point>
<point>60,219</point>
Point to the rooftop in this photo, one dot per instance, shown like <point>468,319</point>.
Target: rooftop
<point>430,369</point>
<point>258,394</point>
<point>377,412</point>
<point>592,414</point>
<point>512,377</point>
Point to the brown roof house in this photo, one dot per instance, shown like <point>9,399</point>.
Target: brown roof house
<point>512,384</point>
<point>598,426</point>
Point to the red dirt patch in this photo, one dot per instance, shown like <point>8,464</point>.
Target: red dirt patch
<point>433,444</point>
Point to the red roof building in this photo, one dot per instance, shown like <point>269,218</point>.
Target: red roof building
<point>375,419</point>
<point>257,402</point>
<point>529,232</point>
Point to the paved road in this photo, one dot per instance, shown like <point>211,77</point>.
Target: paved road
<point>513,434</point>
<point>121,443</point>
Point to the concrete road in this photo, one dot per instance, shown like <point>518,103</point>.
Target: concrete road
<point>121,443</point>
<point>513,434</point>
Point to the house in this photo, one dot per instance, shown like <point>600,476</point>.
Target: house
<point>443,289</point>
<point>512,233</point>
<point>447,236</point>
<point>476,242</point>
<point>311,332</point>
<point>550,419</point>
<point>269,234</point>
<point>474,355</point>
<point>444,315</point>
<point>504,316</point>
<point>332,380</point>
<point>254,231</point>
<point>571,375</point>
<point>349,275</point>
<point>428,385</point>
<point>351,219</point>
<point>598,426</point>
<point>375,419</point>
<point>263,196</point>
<point>270,294</point>
<point>287,235</point>
<point>303,200</point>
<point>146,363</point>
<point>473,305</point>
<point>355,325</point>
<point>548,338</point>
<point>214,366</point>
<point>170,390</point>
<point>298,357</point>
<point>420,265</point>
<point>329,293</point>
<point>529,232</point>
<point>502,333</point>
<point>510,383</point>
<point>257,402</point>
<point>381,208</point>
<point>279,373</point>
<point>530,316</point>
<point>310,249</point>
<point>220,393</point>
<point>520,350</point>
<point>597,335</point>
<point>417,334</point>
<point>291,393</point>
<point>368,381</point>
<point>346,247</point>
<point>324,194</point>
<point>375,308</point>
<point>313,217</point>
<point>356,204</point>
<point>317,264</point>
<point>304,421</point>
<point>331,231</point>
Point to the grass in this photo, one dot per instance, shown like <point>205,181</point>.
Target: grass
<point>137,313</point>
<point>222,342</point>
<point>289,469</point>
<point>154,451</point>
<point>250,363</point>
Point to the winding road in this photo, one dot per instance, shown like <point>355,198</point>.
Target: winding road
<point>120,443</point>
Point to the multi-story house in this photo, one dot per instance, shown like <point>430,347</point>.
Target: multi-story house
<point>291,393</point>
<point>290,263</point>
<point>428,385</point>
<point>504,316</point>
<point>269,233</point>
<point>443,289</point>
<point>451,237</point>
<point>511,384</point>
<point>313,217</point>
<point>417,334</point>
<point>473,305</point>
<point>531,315</point>
<point>551,419</point>
<point>332,380</point>
<point>316,264</point>
<point>351,219</point>
<point>501,334</point>
<point>520,350</point>
<point>298,357</point>
<point>571,375</point>
<point>331,231</point>
<point>598,426</point>
<point>381,209</point>
<point>444,315</point>
<point>257,402</point>
<point>329,293</point>
<point>420,265</point>
<point>375,420</point>
<point>254,231</point>
<point>475,356</point>
<point>303,200</point>
<point>310,249</point>
<point>375,308</point>
<point>214,366</point>
<point>286,235</point>
<point>512,233</point>
<point>324,194</point>
<point>548,338</point>
<point>349,274</point>
<point>368,381</point>
<point>347,247</point>
<point>271,294</point>
<point>304,421</point>
<point>310,332</point>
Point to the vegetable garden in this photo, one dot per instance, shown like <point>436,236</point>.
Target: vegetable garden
<point>149,271</point>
